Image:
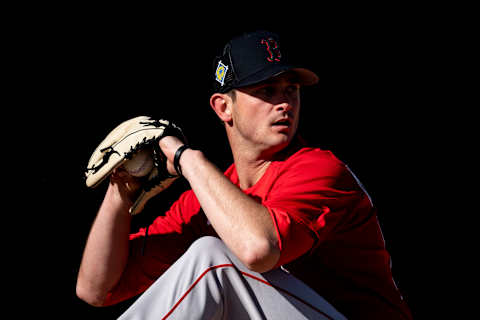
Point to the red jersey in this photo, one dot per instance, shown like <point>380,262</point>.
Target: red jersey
<point>327,227</point>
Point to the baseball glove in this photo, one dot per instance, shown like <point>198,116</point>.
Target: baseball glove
<point>133,137</point>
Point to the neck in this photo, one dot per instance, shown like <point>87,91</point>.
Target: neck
<point>251,164</point>
<point>249,171</point>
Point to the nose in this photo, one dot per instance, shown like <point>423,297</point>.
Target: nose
<point>283,107</point>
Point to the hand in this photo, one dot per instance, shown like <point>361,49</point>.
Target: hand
<point>169,146</point>
<point>125,185</point>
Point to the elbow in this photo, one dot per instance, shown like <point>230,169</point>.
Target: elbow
<point>90,296</point>
<point>261,257</point>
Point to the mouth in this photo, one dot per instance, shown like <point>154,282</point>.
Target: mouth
<point>283,122</point>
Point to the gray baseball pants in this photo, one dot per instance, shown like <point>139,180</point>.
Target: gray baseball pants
<point>209,282</point>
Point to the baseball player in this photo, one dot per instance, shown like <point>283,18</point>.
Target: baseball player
<point>287,232</point>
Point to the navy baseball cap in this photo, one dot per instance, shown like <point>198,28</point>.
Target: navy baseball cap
<point>252,58</point>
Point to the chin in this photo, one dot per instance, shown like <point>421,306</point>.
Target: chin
<point>281,143</point>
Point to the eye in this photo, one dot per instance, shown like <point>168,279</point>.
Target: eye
<point>291,89</point>
<point>267,91</point>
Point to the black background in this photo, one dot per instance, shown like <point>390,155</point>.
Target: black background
<point>79,73</point>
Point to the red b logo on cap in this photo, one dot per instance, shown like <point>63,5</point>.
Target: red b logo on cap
<point>274,53</point>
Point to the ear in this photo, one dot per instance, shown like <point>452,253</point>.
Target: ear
<point>222,105</point>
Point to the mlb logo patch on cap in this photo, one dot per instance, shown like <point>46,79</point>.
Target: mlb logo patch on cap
<point>221,72</point>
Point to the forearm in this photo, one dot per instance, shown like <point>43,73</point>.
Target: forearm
<point>106,251</point>
<point>243,224</point>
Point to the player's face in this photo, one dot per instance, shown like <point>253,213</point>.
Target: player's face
<point>266,114</point>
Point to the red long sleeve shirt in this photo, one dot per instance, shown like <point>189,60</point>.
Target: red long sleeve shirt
<point>327,229</point>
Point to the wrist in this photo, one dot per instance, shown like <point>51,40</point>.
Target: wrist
<point>177,156</point>
<point>117,200</point>
<point>188,161</point>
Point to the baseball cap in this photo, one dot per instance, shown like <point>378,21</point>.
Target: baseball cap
<point>252,58</point>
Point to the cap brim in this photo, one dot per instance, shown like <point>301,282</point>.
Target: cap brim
<point>305,77</point>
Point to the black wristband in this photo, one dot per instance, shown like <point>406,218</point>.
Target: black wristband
<point>176,159</point>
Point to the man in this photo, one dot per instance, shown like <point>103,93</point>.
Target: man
<point>287,232</point>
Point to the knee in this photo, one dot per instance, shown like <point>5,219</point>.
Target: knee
<point>209,249</point>
<point>212,251</point>
<point>206,244</point>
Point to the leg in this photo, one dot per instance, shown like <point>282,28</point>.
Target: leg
<point>208,282</point>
